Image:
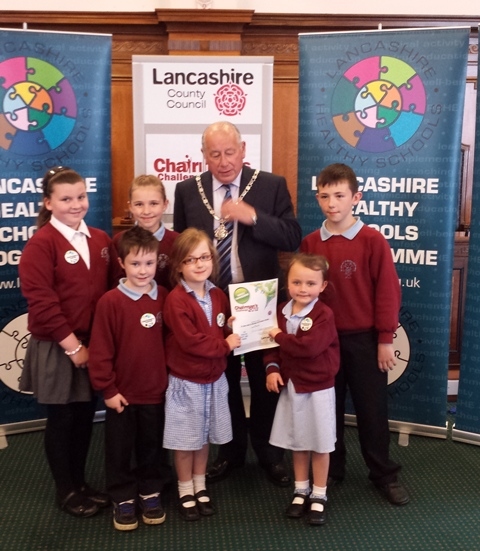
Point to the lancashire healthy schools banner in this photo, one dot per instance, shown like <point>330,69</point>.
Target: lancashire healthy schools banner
<point>389,104</point>
<point>176,97</point>
<point>54,110</point>
<point>467,422</point>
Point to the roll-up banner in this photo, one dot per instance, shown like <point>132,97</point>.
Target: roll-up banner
<point>176,97</point>
<point>389,104</point>
<point>54,110</point>
<point>467,422</point>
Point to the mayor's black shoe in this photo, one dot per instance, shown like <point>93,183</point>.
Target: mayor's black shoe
<point>220,469</point>
<point>77,505</point>
<point>395,493</point>
<point>277,473</point>
<point>100,498</point>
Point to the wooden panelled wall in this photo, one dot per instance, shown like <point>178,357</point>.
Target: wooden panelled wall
<point>212,32</point>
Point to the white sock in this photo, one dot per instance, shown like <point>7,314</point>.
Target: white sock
<point>302,487</point>
<point>186,489</point>
<point>319,492</point>
<point>199,485</point>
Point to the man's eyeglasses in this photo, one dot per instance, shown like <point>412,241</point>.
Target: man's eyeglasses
<point>193,260</point>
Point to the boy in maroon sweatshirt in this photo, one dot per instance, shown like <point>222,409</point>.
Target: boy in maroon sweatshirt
<point>127,364</point>
<point>366,302</point>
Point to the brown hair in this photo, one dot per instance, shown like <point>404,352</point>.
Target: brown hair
<point>315,262</point>
<point>55,175</point>
<point>145,180</point>
<point>183,245</point>
<point>334,173</point>
<point>135,240</point>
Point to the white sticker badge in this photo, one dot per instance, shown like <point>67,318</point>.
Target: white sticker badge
<point>72,257</point>
<point>221,319</point>
<point>306,324</point>
<point>148,320</point>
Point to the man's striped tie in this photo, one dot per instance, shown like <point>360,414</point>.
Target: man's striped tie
<point>224,248</point>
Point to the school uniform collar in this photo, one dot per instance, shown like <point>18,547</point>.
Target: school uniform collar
<point>67,231</point>
<point>208,285</point>
<point>153,293</point>
<point>287,309</point>
<point>160,233</point>
<point>348,234</point>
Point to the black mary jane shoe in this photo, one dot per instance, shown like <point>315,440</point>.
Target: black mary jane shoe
<point>317,517</point>
<point>298,506</point>
<point>188,513</point>
<point>205,508</point>
<point>77,505</point>
<point>100,498</point>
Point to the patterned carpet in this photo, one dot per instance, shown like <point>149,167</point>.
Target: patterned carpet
<point>443,478</point>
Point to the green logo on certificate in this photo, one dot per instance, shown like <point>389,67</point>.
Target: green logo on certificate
<point>241,295</point>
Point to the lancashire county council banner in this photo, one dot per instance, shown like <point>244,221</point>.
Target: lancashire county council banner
<point>176,97</point>
<point>54,110</point>
<point>467,422</point>
<point>389,104</point>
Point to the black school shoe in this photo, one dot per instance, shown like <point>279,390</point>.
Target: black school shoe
<point>298,506</point>
<point>152,509</point>
<point>188,513</point>
<point>77,505</point>
<point>318,515</point>
<point>205,508</point>
<point>124,516</point>
<point>395,493</point>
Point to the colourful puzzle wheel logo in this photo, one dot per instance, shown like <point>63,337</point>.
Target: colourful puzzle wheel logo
<point>38,106</point>
<point>378,104</point>
<point>230,100</point>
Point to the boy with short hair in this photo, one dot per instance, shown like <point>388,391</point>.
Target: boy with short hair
<point>127,364</point>
<point>365,297</point>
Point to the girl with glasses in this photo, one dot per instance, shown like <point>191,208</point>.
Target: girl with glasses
<point>196,407</point>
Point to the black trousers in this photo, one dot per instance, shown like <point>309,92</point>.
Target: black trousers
<point>133,451</point>
<point>67,440</point>
<point>359,373</point>
<point>262,412</point>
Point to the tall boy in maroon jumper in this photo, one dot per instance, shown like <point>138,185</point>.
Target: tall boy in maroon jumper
<point>366,302</point>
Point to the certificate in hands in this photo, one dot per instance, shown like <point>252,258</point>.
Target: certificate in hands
<point>254,307</point>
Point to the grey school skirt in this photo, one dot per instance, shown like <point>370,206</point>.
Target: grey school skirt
<point>52,377</point>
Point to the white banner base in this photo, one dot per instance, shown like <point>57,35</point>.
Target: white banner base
<point>466,437</point>
<point>406,429</point>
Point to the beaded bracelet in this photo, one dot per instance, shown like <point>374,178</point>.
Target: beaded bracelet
<point>73,352</point>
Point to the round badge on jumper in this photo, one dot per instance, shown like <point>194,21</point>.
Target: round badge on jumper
<point>148,320</point>
<point>306,324</point>
<point>72,257</point>
<point>221,319</point>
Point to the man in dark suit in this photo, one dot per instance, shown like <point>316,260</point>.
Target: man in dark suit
<point>257,215</point>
